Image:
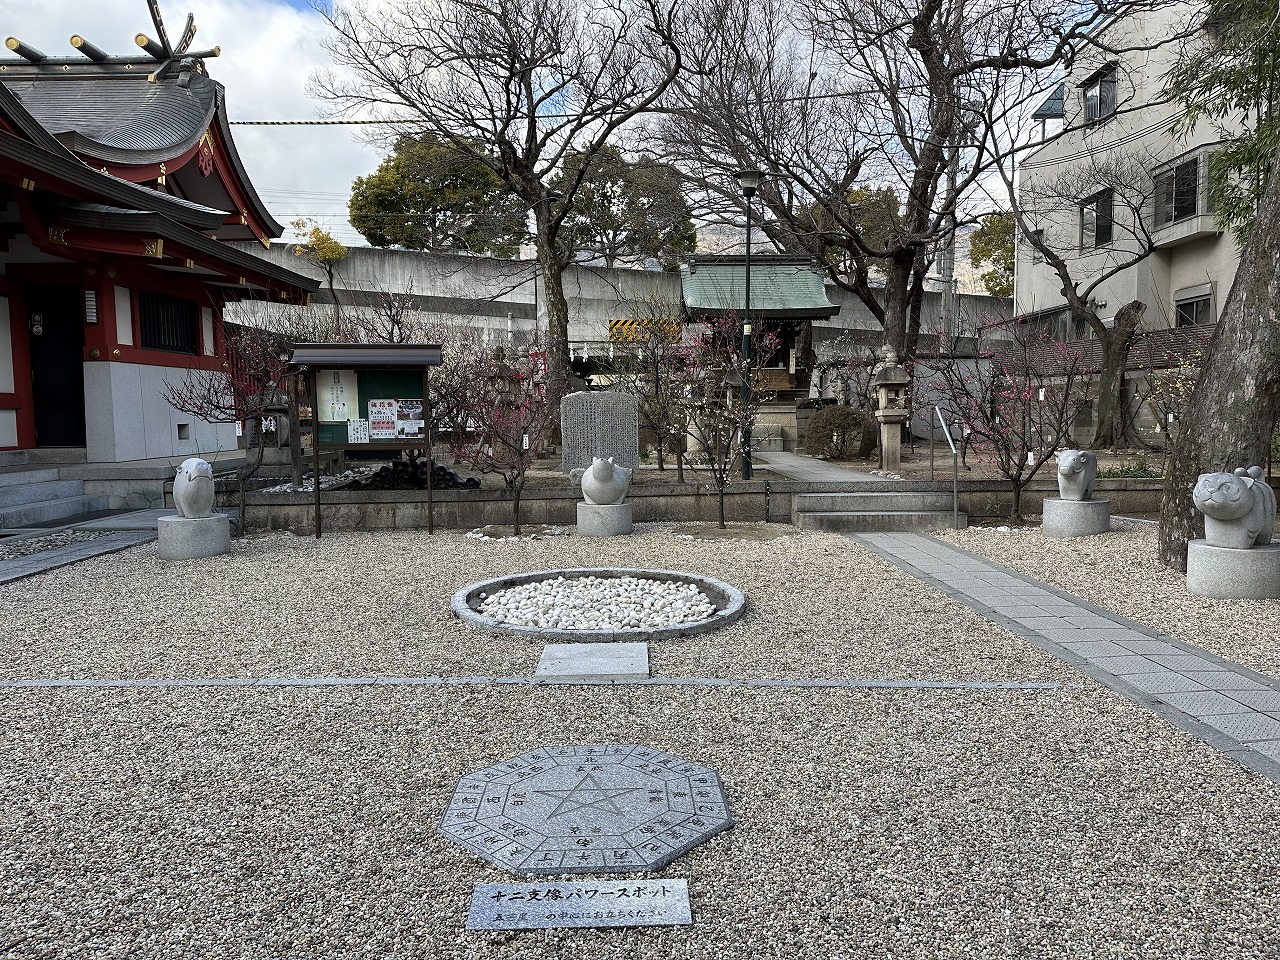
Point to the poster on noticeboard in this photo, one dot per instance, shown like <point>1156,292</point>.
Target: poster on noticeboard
<point>382,420</point>
<point>409,422</point>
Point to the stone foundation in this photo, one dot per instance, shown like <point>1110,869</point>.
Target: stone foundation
<point>181,538</point>
<point>604,520</point>
<point>1075,518</point>
<point>1229,574</point>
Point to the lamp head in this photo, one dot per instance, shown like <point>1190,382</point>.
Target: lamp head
<point>748,180</point>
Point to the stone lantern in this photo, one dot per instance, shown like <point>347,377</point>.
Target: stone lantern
<point>890,382</point>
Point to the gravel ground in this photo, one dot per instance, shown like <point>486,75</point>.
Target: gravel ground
<point>378,604</point>
<point>26,546</point>
<point>301,823</point>
<point>1121,571</point>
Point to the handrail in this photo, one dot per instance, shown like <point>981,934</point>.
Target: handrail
<point>955,469</point>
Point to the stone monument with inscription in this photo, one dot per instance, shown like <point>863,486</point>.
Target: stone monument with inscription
<point>599,423</point>
<point>1237,559</point>
<point>1075,512</point>
<point>592,809</point>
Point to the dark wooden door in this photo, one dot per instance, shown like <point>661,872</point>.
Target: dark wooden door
<point>57,363</point>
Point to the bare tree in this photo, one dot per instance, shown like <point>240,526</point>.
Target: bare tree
<point>1115,194</point>
<point>246,389</point>
<point>719,411</point>
<point>650,363</point>
<point>877,119</point>
<point>1017,401</point>
<point>518,85</point>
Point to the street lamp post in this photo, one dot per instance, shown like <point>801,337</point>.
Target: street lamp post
<point>748,180</point>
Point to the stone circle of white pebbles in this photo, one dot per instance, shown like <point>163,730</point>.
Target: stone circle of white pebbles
<point>598,603</point>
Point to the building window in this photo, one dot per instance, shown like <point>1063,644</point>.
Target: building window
<point>1100,96</point>
<point>1037,240</point>
<point>1178,192</point>
<point>168,323</point>
<point>1195,313</point>
<point>1097,220</point>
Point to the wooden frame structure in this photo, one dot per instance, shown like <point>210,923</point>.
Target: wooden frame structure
<point>313,358</point>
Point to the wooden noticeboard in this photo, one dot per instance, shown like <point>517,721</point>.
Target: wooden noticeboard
<point>404,369</point>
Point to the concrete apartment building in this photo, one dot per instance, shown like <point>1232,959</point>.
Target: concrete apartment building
<point>1121,177</point>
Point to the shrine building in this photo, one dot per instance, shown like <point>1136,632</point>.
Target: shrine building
<point>120,186</point>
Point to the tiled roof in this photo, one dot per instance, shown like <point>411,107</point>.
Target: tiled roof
<point>780,287</point>
<point>116,115</point>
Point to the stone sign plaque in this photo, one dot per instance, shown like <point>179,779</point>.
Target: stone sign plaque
<point>599,423</point>
<point>601,808</point>
<point>604,903</point>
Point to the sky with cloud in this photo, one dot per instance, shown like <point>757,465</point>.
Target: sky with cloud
<point>269,48</point>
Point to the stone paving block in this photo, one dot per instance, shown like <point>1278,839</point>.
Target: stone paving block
<point>1207,704</point>
<point>1019,610</point>
<point>1078,635</point>
<point>1163,681</point>
<point>1223,680</point>
<point>1052,628</point>
<point>1091,621</point>
<point>1121,666</point>
<point>1246,726</point>
<point>1268,748</point>
<point>1090,649</point>
<point>1257,699</point>
<point>593,662</point>
<point>1147,647</point>
<point>1183,662</point>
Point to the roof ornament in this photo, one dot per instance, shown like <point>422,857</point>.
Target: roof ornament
<point>167,53</point>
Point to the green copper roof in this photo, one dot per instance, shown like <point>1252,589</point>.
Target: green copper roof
<point>780,287</point>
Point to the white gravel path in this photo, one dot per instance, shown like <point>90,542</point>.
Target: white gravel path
<point>1121,571</point>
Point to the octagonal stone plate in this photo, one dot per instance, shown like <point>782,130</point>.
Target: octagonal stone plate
<point>600,808</point>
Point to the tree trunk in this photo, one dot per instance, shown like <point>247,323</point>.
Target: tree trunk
<point>1015,517</point>
<point>515,508</point>
<point>720,491</point>
<point>1111,425</point>
<point>1228,419</point>
<point>896,286</point>
<point>557,345</point>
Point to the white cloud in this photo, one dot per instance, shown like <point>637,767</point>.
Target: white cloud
<point>269,48</point>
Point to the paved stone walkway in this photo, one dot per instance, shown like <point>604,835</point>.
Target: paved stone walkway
<point>20,567</point>
<point>1228,706</point>
<point>793,466</point>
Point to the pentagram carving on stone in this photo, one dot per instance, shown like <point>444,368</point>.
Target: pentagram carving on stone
<point>600,808</point>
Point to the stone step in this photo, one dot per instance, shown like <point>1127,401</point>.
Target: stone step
<point>43,511</point>
<point>12,495</point>
<point>23,475</point>
<point>881,522</point>
<point>899,501</point>
<point>13,458</point>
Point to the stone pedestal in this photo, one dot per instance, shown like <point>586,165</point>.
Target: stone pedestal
<point>1075,518</point>
<point>187,539</point>
<point>1229,574</point>
<point>890,444</point>
<point>604,519</point>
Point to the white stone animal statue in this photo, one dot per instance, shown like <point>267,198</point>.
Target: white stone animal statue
<point>193,489</point>
<point>1077,469</point>
<point>604,482</point>
<point>1239,508</point>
